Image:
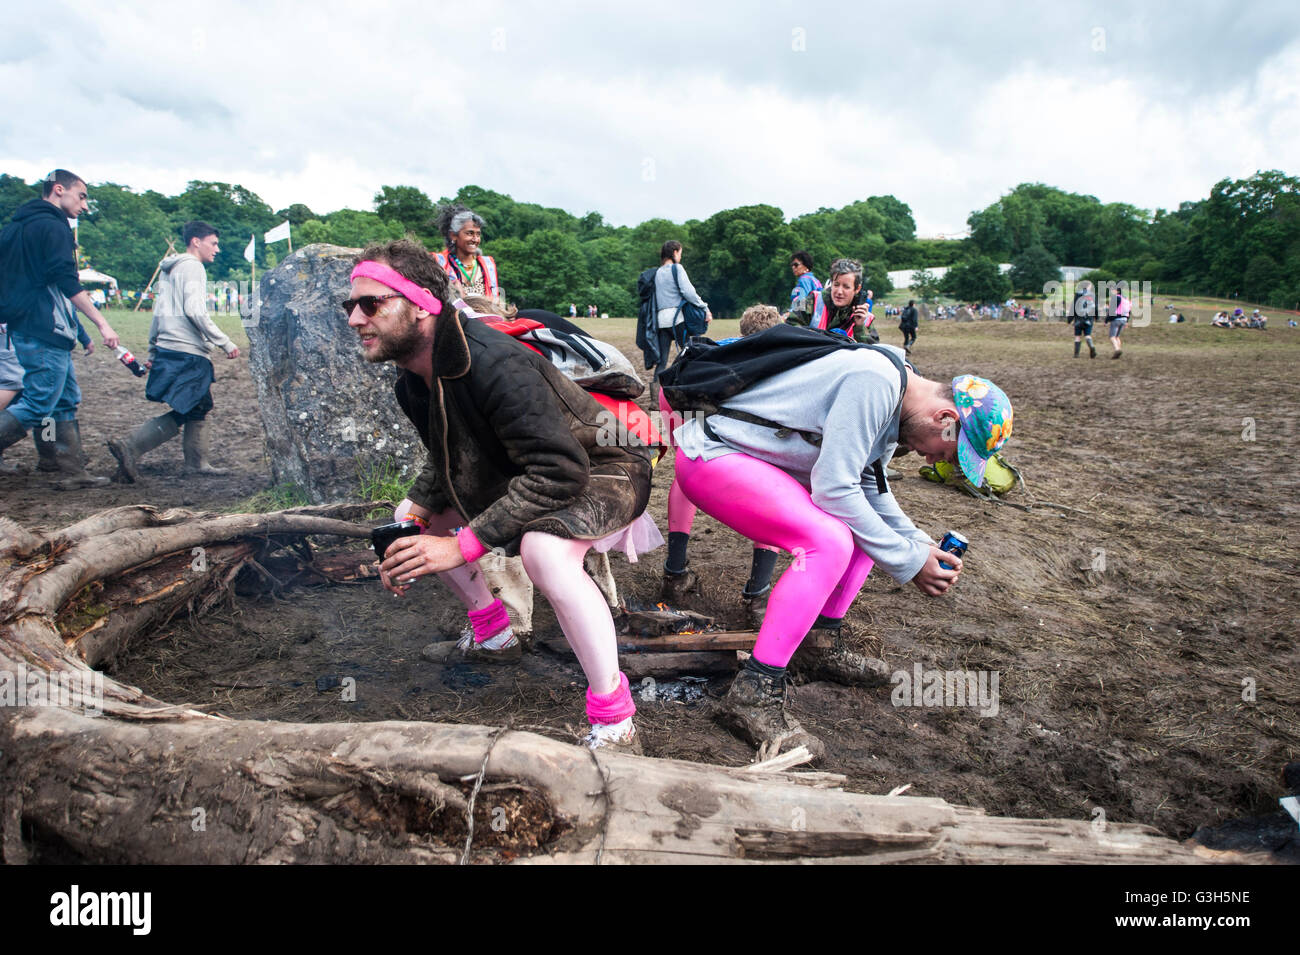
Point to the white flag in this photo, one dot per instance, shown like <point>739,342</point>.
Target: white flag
<point>248,252</point>
<point>278,233</point>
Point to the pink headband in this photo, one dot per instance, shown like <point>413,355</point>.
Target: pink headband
<point>398,283</point>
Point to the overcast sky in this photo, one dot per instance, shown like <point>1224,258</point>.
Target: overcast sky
<point>672,110</point>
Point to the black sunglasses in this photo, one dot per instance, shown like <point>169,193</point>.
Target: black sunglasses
<point>369,304</point>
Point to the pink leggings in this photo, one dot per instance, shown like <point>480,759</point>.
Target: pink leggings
<point>681,512</point>
<point>770,507</point>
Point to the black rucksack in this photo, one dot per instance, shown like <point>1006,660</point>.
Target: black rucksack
<point>706,374</point>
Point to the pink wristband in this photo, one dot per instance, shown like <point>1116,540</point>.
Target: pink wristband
<point>471,548</point>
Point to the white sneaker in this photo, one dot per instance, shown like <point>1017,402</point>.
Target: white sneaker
<point>618,737</point>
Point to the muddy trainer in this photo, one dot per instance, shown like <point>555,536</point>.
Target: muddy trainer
<point>514,465</point>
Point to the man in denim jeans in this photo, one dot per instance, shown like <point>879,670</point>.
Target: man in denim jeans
<point>38,291</point>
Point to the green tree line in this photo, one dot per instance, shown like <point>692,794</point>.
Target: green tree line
<point>1243,239</point>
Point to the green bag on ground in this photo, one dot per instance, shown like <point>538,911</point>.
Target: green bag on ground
<point>999,476</point>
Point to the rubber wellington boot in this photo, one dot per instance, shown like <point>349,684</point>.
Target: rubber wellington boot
<point>145,438</point>
<point>196,450</point>
<point>1092,350</point>
<point>754,710</point>
<point>11,432</point>
<point>46,458</point>
<point>85,458</point>
<point>67,451</point>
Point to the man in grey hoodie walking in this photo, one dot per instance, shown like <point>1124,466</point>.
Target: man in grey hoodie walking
<point>180,373</point>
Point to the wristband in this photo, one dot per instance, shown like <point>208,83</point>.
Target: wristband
<point>471,548</point>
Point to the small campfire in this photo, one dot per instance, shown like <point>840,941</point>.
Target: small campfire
<point>656,620</point>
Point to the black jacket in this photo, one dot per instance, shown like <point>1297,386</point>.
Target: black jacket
<point>511,441</point>
<point>37,252</point>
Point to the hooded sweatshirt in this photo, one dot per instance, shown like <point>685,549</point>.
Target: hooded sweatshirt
<point>38,260</point>
<point>852,399</point>
<point>180,312</point>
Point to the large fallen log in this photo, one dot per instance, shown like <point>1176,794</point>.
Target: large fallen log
<point>98,771</point>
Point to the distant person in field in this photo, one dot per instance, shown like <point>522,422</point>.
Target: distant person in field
<point>470,272</point>
<point>1082,310</point>
<point>907,324</point>
<point>180,372</point>
<point>679,579</point>
<point>805,283</point>
<point>1120,310</point>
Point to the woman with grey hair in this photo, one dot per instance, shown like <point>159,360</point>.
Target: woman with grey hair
<point>842,306</point>
<point>470,272</point>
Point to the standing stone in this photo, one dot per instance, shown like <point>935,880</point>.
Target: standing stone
<point>964,314</point>
<point>922,312</point>
<point>326,411</point>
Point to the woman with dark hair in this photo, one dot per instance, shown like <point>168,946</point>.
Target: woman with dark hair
<point>470,272</point>
<point>673,289</point>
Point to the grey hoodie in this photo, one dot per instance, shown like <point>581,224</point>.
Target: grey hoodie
<point>850,399</point>
<point>180,311</point>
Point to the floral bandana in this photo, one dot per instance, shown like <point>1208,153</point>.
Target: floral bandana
<point>985,412</point>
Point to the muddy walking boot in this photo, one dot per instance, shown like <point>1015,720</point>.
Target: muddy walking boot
<point>840,665</point>
<point>196,450</point>
<point>677,586</point>
<point>754,710</point>
<point>71,461</point>
<point>499,646</point>
<point>755,606</point>
<point>504,647</point>
<point>143,439</point>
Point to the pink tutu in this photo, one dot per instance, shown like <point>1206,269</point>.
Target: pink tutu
<point>639,537</point>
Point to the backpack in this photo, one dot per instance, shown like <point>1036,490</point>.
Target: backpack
<point>1000,476</point>
<point>706,374</point>
<point>596,367</point>
<point>16,293</point>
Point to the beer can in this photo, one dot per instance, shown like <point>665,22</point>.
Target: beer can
<point>954,544</point>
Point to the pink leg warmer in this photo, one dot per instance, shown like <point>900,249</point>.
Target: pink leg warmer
<point>770,507</point>
<point>489,621</point>
<point>611,707</point>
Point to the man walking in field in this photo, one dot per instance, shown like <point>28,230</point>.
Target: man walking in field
<point>180,372</point>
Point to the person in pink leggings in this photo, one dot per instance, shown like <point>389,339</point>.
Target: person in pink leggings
<point>810,480</point>
<point>679,579</point>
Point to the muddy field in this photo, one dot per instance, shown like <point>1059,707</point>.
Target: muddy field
<point>1144,642</point>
